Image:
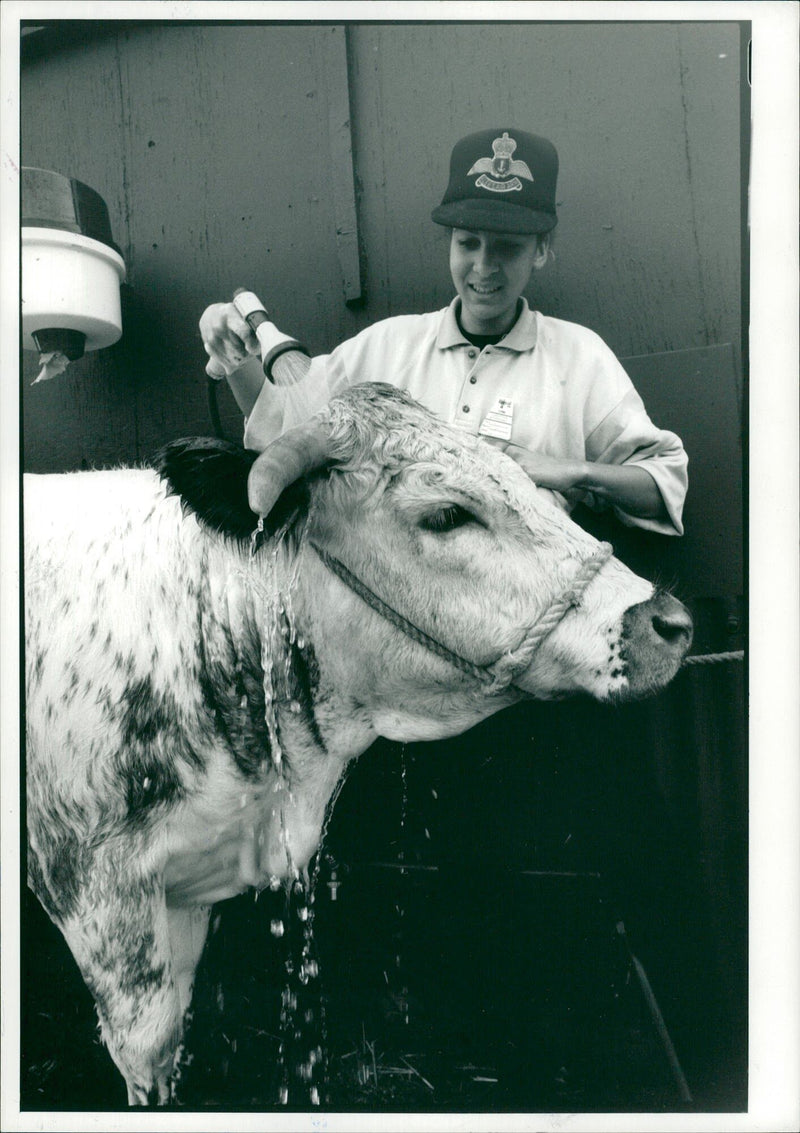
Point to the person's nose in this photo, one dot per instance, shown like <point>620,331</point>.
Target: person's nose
<point>484,263</point>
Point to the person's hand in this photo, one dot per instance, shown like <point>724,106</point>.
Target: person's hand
<point>630,488</point>
<point>227,339</point>
<point>546,471</point>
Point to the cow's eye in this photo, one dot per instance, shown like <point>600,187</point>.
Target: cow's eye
<point>447,518</point>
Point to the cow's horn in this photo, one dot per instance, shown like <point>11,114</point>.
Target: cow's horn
<point>295,453</point>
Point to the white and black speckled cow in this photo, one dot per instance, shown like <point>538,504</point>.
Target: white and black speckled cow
<point>194,694</point>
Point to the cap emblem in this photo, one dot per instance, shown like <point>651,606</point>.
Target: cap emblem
<point>505,171</point>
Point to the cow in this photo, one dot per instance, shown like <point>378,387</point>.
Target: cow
<point>212,640</point>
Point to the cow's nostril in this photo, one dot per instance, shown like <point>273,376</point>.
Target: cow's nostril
<point>673,627</point>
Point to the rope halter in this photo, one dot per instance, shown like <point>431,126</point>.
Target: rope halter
<point>499,674</point>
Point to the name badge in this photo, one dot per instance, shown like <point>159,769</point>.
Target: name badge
<point>498,421</point>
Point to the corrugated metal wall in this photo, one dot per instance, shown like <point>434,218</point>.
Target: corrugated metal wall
<point>222,154</point>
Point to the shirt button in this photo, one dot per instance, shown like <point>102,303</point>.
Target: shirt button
<point>472,353</point>
<point>465,409</point>
<point>473,380</point>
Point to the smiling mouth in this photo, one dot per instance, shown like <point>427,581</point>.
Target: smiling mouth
<point>485,289</point>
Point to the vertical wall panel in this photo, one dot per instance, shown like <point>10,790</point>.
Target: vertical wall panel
<point>211,148</point>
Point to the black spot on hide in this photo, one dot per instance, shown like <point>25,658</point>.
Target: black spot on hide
<point>152,741</point>
<point>145,715</point>
<point>235,700</point>
<point>210,476</point>
<point>149,784</point>
<point>237,710</point>
<point>304,683</point>
<point>59,871</point>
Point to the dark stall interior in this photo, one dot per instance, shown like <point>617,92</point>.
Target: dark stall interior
<point>549,912</point>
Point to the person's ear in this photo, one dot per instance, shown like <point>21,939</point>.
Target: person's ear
<point>542,250</point>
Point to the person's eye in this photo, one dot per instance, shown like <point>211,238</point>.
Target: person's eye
<point>448,518</point>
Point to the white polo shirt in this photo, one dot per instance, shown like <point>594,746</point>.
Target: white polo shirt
<point>563,394</point>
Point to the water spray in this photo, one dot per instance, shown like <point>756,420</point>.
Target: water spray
<point>285,361</point>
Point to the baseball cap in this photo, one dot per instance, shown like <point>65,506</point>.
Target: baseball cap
<point>501,181</point>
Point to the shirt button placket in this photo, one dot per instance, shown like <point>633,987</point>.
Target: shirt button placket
<point>472,354</point>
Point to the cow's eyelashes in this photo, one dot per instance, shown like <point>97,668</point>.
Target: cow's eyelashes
<point>447,518</point>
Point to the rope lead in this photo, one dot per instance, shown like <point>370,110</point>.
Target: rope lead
<point>714,658</point>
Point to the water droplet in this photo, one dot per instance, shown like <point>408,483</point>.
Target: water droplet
<point>314,1095</point>
<point>301,643</point>
<point>284,1095</point>
<point>146,782</point>
<point>434,793</point>
<point>404,781</point>
<point>277,927</point>
<point>243,702</point>
<point>302,913</point>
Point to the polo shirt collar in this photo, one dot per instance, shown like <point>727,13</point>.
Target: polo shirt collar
<point>520,338</point>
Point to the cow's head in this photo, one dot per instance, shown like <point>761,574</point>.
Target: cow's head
<point>453,540</point>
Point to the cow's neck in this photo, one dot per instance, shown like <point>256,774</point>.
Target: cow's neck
<point>260,687</point>
<point>257,671</point>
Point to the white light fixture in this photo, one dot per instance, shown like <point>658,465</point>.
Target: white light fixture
<point>71,271</point>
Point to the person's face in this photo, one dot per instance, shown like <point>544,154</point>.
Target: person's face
<point>490,271</point>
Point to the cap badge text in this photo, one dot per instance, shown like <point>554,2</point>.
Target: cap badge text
<point>505,171</point>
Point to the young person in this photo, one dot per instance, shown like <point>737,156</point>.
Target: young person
<point>549,392</point>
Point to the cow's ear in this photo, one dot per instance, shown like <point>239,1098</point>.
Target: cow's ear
<point>210,476</point>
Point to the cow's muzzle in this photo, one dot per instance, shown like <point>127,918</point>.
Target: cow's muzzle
<point>656,636</point>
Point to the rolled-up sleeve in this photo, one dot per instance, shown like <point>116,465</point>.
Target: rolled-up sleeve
<point>626,435</point>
